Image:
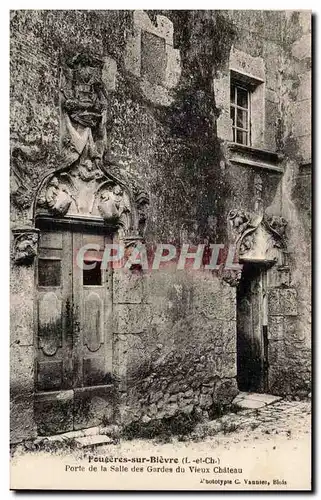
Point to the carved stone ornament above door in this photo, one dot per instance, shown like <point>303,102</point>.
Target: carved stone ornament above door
<point>81,186</point>
<point>258,238</point>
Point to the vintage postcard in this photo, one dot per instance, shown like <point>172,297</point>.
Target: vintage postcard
<point>160,250</point>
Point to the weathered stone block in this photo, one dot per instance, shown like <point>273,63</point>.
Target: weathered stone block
<point>304,89</point>
<point>156,397</point>
<point>302,118</point>
<point>22,306</point>
<point>171,409</point>
<point>152,410</point>
<point>127,287</point>
<point>282,276</point>
<point>130,318</point>
<point>214,300</point>
<point>205,400</point>
<point>22,369</point>
<point>150,43</point>
<point>304,144</point>
<point>54,412</point>
<point>296,333</point>
<point>187,409</point>
<point>225,391</point>
<point>21,320</point>
<point>274,302</point>
<point>271,57</point>
<point>271,120</point>
<point>301,49</point>
<point>93,406</point>
<point>224,126</point>
<point>109,73</point>
<point>245,63</point>
<point>22,424</point>
<point>276,328</point>
<point>288,298</point>
<point>288,380</point>
<point>276,353</point>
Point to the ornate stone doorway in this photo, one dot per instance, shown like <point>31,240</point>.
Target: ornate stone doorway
<point>252,321</point>
<point>74,362</point>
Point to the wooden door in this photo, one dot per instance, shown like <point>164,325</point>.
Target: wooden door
<point>92,348</point>
<point>54,315</point>
<point>251,327</point>
<point>73,332</point>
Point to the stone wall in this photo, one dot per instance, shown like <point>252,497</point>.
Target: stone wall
<point>293,351</point>
<point>180,347</point>
<point>168,129</point>
<point>276,46</point>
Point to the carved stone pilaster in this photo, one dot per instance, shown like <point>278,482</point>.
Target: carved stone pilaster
<point>130,242</point>
<point>142,204</point>
<point>25,245</point>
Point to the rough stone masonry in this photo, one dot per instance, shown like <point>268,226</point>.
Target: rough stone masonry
<point>157,127</point>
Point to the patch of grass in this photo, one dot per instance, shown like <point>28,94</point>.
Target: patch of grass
<point>44,445</point>
<point>228,427</point>
<point>217,410</point>
<point>235,408</point>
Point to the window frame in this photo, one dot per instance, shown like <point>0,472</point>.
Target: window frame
<point>237,84</point>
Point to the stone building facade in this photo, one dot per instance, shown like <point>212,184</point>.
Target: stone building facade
<point>181,127</point>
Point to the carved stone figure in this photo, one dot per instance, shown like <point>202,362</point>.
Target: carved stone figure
<point>257,236</point>
<point>247,243</point>
<point>239,220</point>
<point>23,175</point>
<point>81,186</point>
<point>277,224</point>
<point>84,105</point>
<point>113,205</point>
<point>142,201</point>
<point>25,245</point>
<point>258,189</point>
<point>58,197</point>
<point>107,206</point>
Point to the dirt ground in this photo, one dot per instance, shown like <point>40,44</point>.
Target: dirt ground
<point>267,448</point>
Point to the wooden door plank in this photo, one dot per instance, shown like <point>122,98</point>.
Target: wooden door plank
<point>53,400</point>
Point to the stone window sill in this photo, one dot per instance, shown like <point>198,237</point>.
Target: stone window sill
<point>254,157</point>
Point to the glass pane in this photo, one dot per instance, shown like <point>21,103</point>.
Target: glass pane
<point>241,137</point>
<point>49,272</point>
<point>241,119</point>
<point>92,277</point>
<point>232,114</point>
<point>232,94</point>
<point>242,97</point>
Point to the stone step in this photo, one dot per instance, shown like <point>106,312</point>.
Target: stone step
<point>252,400</point>
<point>65,436</point>
<point>93,441</point>
<point>110,432</point>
